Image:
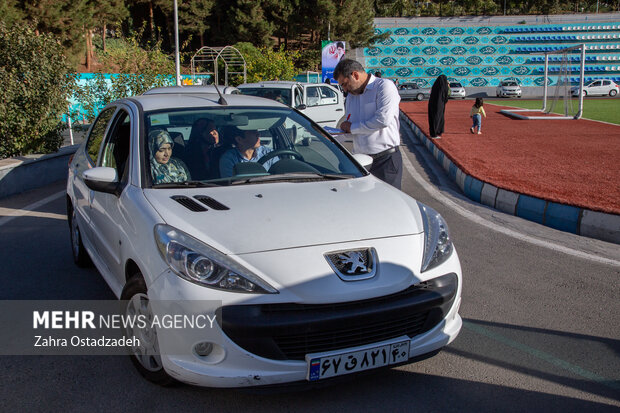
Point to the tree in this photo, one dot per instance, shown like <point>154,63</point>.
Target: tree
<point>66,19</point>
<point>247,23</point>
<point>281,12</point>
<point>10,13</point>
<point>194,17</point>
<point>354,22</point>
<point>36,82</point>
<point>108,12</point>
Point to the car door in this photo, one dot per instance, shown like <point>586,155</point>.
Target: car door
<point>107,217</point>
<point>595,88</point>
<point>324,104</point>
<point>605,87</point>
<point>83,160</point>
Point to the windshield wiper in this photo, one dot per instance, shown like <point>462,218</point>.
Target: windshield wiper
<point>186,184</point>
<point>290,177</point>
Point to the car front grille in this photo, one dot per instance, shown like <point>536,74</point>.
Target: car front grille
<point>289,331</point>
<point>296,346</point>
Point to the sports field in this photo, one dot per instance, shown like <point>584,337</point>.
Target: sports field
<point>606,110</point>
<point>570,162</point>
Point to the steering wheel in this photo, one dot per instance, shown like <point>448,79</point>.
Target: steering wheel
<point>280,152</point>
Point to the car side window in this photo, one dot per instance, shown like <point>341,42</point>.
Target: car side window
<point>298,96</point>
<point>115,152</point>
<point>328,96</point>
<point>96,134</point>
<point>597,83</point>
<point>313,97</point>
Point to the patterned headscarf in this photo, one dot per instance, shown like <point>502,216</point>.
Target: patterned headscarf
<point>174,170</point>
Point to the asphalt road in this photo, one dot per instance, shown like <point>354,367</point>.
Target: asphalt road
<point>540,307</point>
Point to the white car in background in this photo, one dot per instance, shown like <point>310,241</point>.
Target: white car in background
<point>321,102</point>
<point>409,91</point>
<point>457,90</point>
<point>601,87</point>
<point>508,88</point>
<point>306,281</point>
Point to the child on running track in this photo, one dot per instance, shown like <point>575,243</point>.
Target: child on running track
<point>476,114</point>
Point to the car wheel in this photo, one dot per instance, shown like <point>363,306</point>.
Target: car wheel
<point>419,96</point>
<point>145,357</point>
<point>613,92</point>
<point>80,255</point>
<point>585,93</point>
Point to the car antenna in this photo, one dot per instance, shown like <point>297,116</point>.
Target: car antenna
<point>222,101</point>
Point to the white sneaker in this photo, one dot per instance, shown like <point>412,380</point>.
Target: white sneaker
<point>479,133</point>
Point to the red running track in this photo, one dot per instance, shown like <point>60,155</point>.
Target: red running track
<point>572,162</point>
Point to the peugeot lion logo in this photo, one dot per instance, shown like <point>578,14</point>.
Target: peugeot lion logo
<point>353,260</point>
<point>353,265</point>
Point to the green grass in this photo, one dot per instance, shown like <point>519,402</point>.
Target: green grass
<point>607,110</point>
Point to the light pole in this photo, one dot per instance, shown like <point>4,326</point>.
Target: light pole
<point>177,60</point>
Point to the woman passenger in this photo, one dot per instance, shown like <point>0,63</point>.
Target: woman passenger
<point>165,168</point>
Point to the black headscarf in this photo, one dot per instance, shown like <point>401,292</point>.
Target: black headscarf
<point>437,105</point>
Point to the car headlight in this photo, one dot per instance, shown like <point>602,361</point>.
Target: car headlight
<point>437,243</point>
<point>197,262</point>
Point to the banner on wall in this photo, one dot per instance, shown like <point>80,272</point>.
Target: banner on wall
<point>331,54</point>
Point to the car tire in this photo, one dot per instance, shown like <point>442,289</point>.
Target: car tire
<point>613,93</point>
<point>585,93</point>
<point>419,96</point>
<point>80,255</point>
<point>145,358</point>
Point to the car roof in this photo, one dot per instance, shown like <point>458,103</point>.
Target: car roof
<point>192,89</point>
<point>184,100</point>
<point>280,84</point>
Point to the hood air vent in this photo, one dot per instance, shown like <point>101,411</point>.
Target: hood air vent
<point>211,203</point>
<point>189,203</point>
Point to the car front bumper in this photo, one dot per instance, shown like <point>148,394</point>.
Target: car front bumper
<point>509,93</point>
<point>252,337</point>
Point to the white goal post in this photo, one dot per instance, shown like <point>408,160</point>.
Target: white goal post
<point>582,62</point>
<point>565,72</point>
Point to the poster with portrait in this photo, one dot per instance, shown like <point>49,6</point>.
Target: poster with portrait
<point>331,54</point>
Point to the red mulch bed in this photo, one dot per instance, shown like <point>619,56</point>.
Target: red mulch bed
<point>573,162</point>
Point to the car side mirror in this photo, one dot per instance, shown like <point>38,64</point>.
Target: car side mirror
<point>301,107</point>
<point>363,160</point>
<point>101,179</point>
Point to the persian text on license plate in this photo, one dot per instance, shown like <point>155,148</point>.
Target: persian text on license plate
<point>321,367</point>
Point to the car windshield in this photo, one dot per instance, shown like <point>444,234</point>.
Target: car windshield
<point>240,145</point>
<point>277,94</point>
<point>455,85</point>
<point>510,84</point>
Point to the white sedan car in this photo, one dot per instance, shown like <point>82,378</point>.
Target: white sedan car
<point>457,90</point>
<point>308,266</point>
<point>601,87</point>
<point>508,88</point>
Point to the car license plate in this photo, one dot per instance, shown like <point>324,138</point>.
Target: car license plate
<point>322,367</point>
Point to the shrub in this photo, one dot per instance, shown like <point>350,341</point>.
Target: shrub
<point>139,70</point>
<point>267,64</point>
<point>36,83</point>
<point>101,90</point>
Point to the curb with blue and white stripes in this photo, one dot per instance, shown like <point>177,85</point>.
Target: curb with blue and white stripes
<point>567,218</point>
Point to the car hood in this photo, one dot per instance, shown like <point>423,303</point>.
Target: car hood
<point>273,216</point>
